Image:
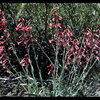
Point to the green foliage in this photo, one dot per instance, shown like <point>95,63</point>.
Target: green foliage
<point>76,15</point>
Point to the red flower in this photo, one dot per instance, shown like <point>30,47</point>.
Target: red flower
<point>51,69</point>
<point>52,13</point>
<point>4,62</point>
<point>1,49</point>
<point>19,26</point>
<point>52,25</point>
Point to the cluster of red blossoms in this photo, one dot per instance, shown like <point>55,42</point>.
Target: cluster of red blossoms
<point>76,48</point>
<point>25,31</point>
<point>25,36</point>
<point>4,34</point>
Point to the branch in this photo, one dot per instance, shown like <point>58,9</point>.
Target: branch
<point>46,18</point>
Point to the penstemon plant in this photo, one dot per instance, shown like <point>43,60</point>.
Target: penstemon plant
<point>77,52</point>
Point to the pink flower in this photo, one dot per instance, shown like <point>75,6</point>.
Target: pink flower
<point>49,65</point>
<point>96,42</point>
<point>96,45</point>
<point>26,41</point>
<point>52,25</point>
<point>2,42</point>
<point>55,34</point>
<point>30,27</point>
<point>76,47</point>
<point>77,41</point>
<point>1,49</point>
<point>65,30</point>
<point>53,72</point>
<point>31,35</point>
<point>73,53</point>
<point>87,51</point>
<point>0,21</point>
<point>97,57</point>
<point>4,62</point>
<point>19,20</point>
<point>20,36</point>
<point>59,25</point>
<point>28,21</point>
<point>97,35</point>
<point>89,44</point>
<point>51,68</point>
<point>29,60</point>
<point>1,28</point>
<point>19,26</point>
<point>68,62</point>
<point>62,40</point>
<point>69,57</point>
<point>23,19</point>
<point>74,60</point>
<point>23,28</point>
<point>10,48</point>
<point>22,60</point>
<point>54,19</point>
<point>3,36</point>
<point>5,30</point>
<point>60,18</point>
<point>87,33</point>
<point>26,35</point>
<point>80,63</point>
<point>23,64</point>
<point>35,39</point>
<point>8,34</point>
<point>98,23</point>
<point>96,51</point>
<point>12,43</point>
<point>59,44</point>
<point>1,57</point>
<point>66,68</point>
<point>72,49</point>
<point>97,30</point>
<point>79,56</point>
<point>19,42</point>
<point>50,41</point>
<point>4,20</point>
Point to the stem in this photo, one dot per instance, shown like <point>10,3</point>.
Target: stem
<point>46,19</point>
<point>45,53</point>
